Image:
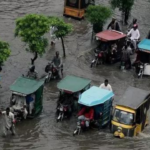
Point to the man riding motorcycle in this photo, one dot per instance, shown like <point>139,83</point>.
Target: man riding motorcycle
<point>86,114</point>
<point>57,62</point>
<point>134,35</point>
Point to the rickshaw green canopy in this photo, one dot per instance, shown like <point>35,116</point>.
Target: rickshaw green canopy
<point>26,86</point>
<point>73,84</point>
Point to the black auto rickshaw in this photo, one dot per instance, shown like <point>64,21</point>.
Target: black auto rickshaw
<point>76,8</point>
<point>130,114</point>
<point>27,97</point>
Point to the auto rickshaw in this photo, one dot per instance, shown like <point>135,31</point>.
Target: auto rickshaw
<point>110,47</point>
<point>130,113</point>
<point>70,88</point>
<point>76,8</point>
<point>142,63</point>
<point>26,99</point>
<point>100,100</point>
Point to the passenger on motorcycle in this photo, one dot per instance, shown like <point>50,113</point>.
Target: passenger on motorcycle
<point>134,35</point>
<point>32,73</point>
<point>114,25</point>
<point>57,62</point>
<point>125,58</point>
<point>86,114</point>
<point>113,54</point>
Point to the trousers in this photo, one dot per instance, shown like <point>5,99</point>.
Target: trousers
<point>83,118</point>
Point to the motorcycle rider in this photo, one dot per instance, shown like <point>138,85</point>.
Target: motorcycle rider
<point>135,35</point>
<point>132,24</point>
<point>114,25</point>
<point>32,72</point>
<point>57,63</point>
<point>86,114</point>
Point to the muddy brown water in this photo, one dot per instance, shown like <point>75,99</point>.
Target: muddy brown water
<point>43,133</point>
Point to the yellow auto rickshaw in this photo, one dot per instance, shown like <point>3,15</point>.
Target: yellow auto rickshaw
<point>130,113</point>
<point>76,8</point>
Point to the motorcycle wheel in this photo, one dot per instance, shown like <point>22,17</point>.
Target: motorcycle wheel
<point>75,132</point>
<point>96,63</point>
<point>92,65</point>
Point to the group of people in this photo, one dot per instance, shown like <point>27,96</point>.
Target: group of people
<point>131,44</point>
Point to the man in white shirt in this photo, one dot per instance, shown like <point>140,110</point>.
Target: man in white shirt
<point>106,86</point>
<point>52,35</point>
<point>135,35</point>
<point>8,121</point>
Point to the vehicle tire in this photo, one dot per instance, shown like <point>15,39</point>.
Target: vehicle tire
<point>75,132</point>
<point>96,63</point>
<point>92,65</point>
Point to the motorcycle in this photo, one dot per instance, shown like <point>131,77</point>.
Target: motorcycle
<point>98,58</point>
<point>81,126</point>
<point>63,112</point>
<point>139,66</point>
<point>129,42</point>
<point>141,70</point>
<point>52,72</point>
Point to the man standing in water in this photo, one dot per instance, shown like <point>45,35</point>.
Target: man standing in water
<point>8,121</point>
<point>106,86</point>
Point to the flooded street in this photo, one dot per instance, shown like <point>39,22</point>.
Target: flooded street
<point>43,132</point>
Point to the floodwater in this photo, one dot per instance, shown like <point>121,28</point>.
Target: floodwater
<point>43,133</point>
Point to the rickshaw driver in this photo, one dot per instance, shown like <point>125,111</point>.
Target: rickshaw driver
<point>135,35</point>
<point>86,114</point>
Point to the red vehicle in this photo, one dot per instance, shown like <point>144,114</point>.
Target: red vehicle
<point>110,47</point>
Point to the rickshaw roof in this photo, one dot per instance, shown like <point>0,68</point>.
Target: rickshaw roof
<point>133,97</point>
<point>95,96</point>
<point>26,86</point>
<point>73,84</point>
<point>144,45</point>
<point>110,35</point>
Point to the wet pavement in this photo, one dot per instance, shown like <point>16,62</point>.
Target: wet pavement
<point>43,133</point>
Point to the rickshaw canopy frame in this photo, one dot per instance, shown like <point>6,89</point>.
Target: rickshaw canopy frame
<point>95,96</point>
<point>73,84</point>
<point>26,86</point>
<point>133,98</point>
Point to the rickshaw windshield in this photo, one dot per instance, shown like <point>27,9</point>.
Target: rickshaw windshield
<point>73,3</point>
<point>123,117</point>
